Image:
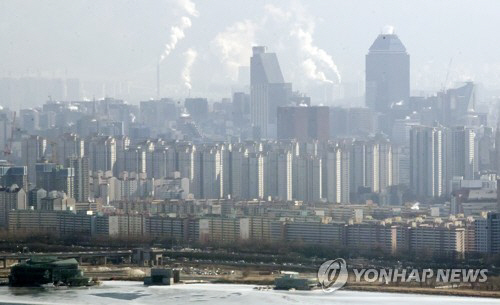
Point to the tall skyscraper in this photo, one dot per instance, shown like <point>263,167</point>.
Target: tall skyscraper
<point>268,90</point>
<point>33,149</point>
<point>387,73</point>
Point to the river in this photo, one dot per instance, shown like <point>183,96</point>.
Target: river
<point>121,292</point>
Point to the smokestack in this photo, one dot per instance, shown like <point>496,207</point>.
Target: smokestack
<point>158,81</point>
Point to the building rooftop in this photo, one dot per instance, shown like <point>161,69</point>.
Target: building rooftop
<point>387,43</point>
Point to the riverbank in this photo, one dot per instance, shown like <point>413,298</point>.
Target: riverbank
<point>425,291</point>
<point>245,276</point>
<point>387,289</point>
<point>369,287</point>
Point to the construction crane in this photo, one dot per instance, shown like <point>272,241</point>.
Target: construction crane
<point>444,87</point>
<point>8,144</point>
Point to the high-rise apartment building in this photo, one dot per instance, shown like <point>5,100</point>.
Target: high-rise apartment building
<point>239,172</point>
<point>427,160</point>
<point>102,154</point>
<point>80,167</point>
<point>461,157</point>
<point>256,175</point>
<point>307,179</point>
<point>336,174</point>
<point>278,178</point>
<point>371,165</point>
<point>211,173</point>
<point>68,146</point>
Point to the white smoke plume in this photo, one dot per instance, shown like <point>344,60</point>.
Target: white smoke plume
<point>233,46</point>
<point>190,57</point>
<point>291,37</point>
<point>310,69</point>
<point>177,31</point>
<point>316,62</point>
<point>315,59</point>
<point>388,30</point>
<point>189,7</point>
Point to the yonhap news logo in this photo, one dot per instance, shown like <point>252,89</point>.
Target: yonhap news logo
<point>333,275</point>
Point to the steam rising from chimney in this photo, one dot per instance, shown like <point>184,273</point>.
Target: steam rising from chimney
<point>290,26</point>
<point>234,45</point>
<point>388,30</point>
<point>177,32</point>
<point>190,57</point>
<point>316,59</point>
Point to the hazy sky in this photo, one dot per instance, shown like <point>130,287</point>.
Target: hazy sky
<point>123,40</point>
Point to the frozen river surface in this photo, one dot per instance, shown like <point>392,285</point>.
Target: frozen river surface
<point>117,292</point>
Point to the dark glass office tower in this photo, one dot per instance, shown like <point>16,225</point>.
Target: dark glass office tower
<point>387,73</point>
<point>268,90</point>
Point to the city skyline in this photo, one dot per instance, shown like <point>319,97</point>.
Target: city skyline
<point>267,144</point>
<point>301,23</point>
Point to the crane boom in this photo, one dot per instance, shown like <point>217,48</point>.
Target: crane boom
<point>447,75</point>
